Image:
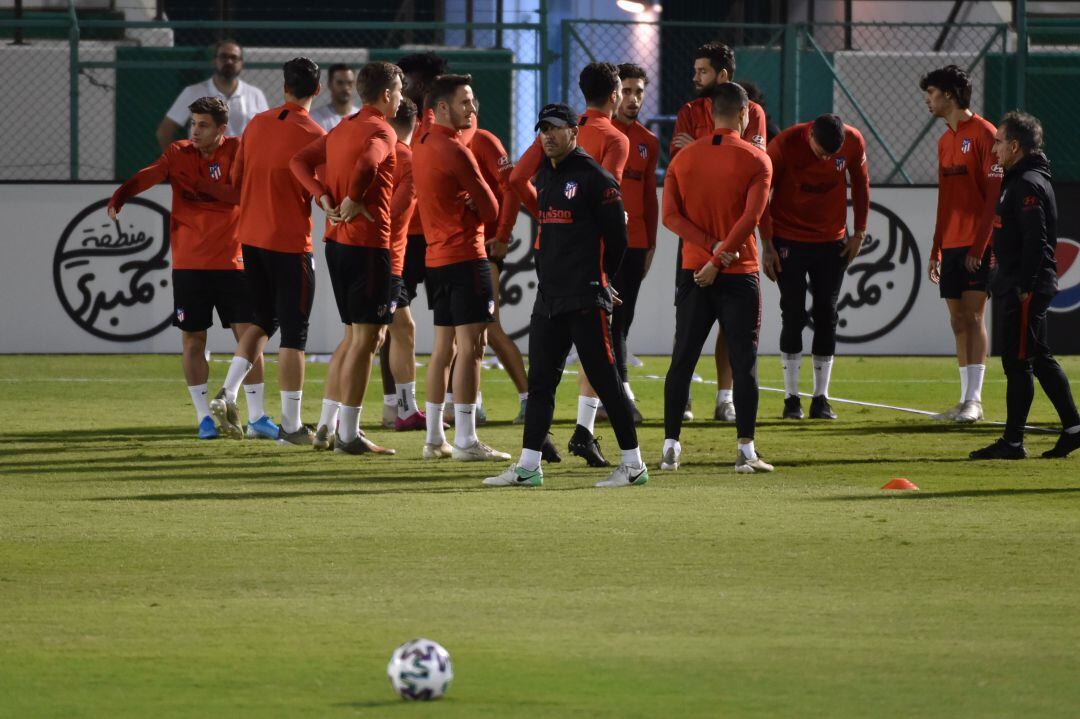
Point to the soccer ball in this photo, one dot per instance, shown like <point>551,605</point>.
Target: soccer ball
<point>420,670</point>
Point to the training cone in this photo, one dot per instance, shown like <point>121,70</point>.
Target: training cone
<point>901,484</point>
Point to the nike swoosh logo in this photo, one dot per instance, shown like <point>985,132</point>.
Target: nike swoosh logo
<point>634,477</point>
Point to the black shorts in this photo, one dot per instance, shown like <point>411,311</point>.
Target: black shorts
<point>282,289</point>
<point>956,280</point>
<point>197,292</point>
<point>414,270</point>
<point>461,293</point>
<point>399,293</point>
<point>360,277</point>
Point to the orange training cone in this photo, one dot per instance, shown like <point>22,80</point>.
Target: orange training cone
<point>901,484</point>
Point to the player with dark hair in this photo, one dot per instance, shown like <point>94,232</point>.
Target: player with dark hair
<point>714,195</point>
<point>804,236</point>
<point>207,268</point>
<point>580,247</point>
<point>275,233</point>
<point>455,203</point>
<point>1025,239</point>
<point>360,160</point>
<point>714,63</point>
<point>642,209</point>
<point>341,83</point>
<point>968,178</point>
<point>420,70</point>
<point>597,136</point>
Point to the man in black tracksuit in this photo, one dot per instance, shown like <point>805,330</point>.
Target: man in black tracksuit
<point>1025,235</point>
<point>581,244</point>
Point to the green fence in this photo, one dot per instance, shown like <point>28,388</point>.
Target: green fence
<point>89,91</point>
<point>89,108</point>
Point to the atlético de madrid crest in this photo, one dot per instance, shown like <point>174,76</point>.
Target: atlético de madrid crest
<point>965,146</point>
<point>643,151</point>
<point>840,162</point>
<point>215,171</point>
<point>570,190</point>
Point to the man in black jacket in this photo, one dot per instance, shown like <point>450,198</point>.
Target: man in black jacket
<point>581,244</point>
<point>1025,235</point>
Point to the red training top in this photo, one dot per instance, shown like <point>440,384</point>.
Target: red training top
<point>360,159</point>
<point>402,208</point>
<point>809,199</point>
<point>203,221</point>
<point>716,193</point>
<point>695,118</point>
<point>639,185</point>
<point>275,209</point>
<point>968,182</point>
<point>446,176</point>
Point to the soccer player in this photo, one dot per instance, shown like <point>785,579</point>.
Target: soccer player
<point>714,195</point>
<point>496,166</point>
<point>360,160</point>
<point>714,63</point>
<point>207,269</point>
<point>455,203</point>
<point>420,70</point>
<point>599,138</point>
<point>968,179</point>
<point>581,244</point>
<point>804,235</point>
<point>642,209</point>
<point>275,233</point>
<point>341,81</point>
<point>1025,238</point>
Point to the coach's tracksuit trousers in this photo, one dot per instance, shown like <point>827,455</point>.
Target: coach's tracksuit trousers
<point>550,339</point>
<point>1025,352</point>
<point>735,302</point>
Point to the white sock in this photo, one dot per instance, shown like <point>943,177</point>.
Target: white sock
<point>238,369</point>
<point>629,392</point>
<point>406,399</point>
<point>975,373</point>
<point>464,425</point>
<point>672,444</point>
<point>254,395</point>
<point>479,398</point>
<point>329,415</point>
<point>448,400</point>
<point>822,372</point>
<point>435,433</point>
<point>522,396</point>
<point>290,410</point>
<point>390,400</point>
<point>201,399</point>
<point>631,457</point>
<point>1075,429</point>
<point>791,364</point>
<point>586,411</point>
<point>963,383</point>
<point>724,395</point>
<point>748,450</point>
<point>349,426</point>
<point>530,459</point>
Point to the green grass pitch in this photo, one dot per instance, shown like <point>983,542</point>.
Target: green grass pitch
<point>146,574</point>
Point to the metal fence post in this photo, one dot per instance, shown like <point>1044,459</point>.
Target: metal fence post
<point>789,82</point>
<point>73,72</point>
<point>1021,51</point>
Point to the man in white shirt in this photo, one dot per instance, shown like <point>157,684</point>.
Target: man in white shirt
<point>244,100</point>
<point>342,83</point>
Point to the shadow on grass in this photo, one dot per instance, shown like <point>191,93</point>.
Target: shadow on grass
<point>958,494</point>
<point>373,491</point>
<point>67,437</point>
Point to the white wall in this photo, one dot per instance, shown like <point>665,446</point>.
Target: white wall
<point>33,318</point>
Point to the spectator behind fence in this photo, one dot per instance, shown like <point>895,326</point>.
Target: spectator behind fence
<point>244,100</point>
<point>342,83</point>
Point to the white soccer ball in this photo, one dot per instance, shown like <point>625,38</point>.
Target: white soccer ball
<point>420,670</point>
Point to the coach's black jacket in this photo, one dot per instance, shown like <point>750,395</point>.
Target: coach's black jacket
<point>582,235</point>
<point>1025,229</point>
